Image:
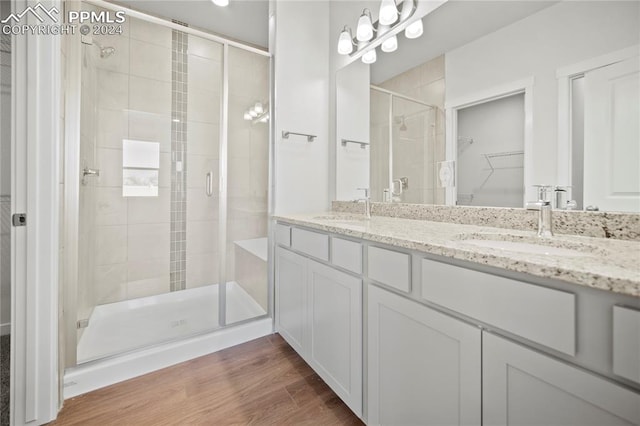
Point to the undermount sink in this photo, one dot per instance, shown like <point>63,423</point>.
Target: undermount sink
<point>529,245</point>
<point>347,218</point>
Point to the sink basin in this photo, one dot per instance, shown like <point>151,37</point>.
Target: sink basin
<point>529,245</point>
<point>344,218</point>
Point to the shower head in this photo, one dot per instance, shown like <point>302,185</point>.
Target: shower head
<point>105,52</point>
<point>403,125</point>
<point>400,120</point>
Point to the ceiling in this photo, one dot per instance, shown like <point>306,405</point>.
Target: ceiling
<point>452,25</point>
<point>243,20</point>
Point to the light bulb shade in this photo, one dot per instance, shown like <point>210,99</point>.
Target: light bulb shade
<point>345,44</point>
<point>388,12</point>
<point>369,57</point>
<point>390,44</point>
<point>364,31</point>
<point>258,108</point>
<point>414,30</point>
<point>221,3</point>
<point>247,116</point>
<point>253,113</point>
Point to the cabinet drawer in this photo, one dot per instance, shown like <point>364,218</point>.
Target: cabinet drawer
<point>283,235</point>
<point>626,343</point>
<point>390,268</point>
<point>346,254</point>
<point>536,313</point>
<point>312,243</point>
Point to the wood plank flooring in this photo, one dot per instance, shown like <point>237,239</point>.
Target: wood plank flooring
<point>262,382</point>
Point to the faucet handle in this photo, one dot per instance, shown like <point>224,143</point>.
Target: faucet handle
<point>543,190</point>
<point>366,191</point>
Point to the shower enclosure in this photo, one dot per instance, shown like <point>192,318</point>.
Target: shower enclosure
<point>171,192</point>
<point>404,149</point>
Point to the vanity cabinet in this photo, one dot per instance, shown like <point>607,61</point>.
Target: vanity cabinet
<point>424,366</point>
<point>523,387</point>
<point>291,298</point>
<point>318,312</point>
<point>452,344</point>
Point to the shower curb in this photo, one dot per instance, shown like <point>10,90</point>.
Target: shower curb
<point>102,373</point>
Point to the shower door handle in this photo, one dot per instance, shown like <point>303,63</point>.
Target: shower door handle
<point>87,172</point>
<point>209,184</point>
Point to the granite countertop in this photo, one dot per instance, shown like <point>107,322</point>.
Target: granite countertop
<point>606,264</point>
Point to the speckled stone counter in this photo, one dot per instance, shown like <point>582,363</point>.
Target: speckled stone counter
<point>603,263</point>
<point>622,226</point>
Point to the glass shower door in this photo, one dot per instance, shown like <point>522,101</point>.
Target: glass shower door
<point>148,203</point>
<point>413,151</point>
<point>380,111</point>
<point>247,185</point>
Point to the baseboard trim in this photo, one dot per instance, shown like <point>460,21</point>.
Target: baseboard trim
<point>98,374</point>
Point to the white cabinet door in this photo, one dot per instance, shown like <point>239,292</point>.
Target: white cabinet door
<point>423,366</point>
<point>612,137</point>
<point>524,387</point>
<point>335,325</point>
<point>291,298</point>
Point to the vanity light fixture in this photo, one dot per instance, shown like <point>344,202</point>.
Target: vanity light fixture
<point>369,57</point>
<point>388,12</point>
<point>364,30</point>
<point>221,3</point>
<point>390,22</point>
<point>345,42</point>
<point>414,30</point>
<point>390,44</point>
<point>257,113</point>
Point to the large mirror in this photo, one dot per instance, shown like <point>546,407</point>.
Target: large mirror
<point>494,98</point>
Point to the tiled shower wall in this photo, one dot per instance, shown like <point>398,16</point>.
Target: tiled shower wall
<point>179,72</point>
<point>412,157</point>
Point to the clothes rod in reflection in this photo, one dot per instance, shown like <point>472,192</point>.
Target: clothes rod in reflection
<point>363,145</point>
<point>286,134</point>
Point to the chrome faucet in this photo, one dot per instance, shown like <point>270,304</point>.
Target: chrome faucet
<point>543,205</point>
<point>367,202</point>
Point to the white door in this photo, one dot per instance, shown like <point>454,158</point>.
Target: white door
<point>612,137</point>
<point>523,387</point>
<point>291,298</point>
<point>335,320</point>
<point>423,366</point>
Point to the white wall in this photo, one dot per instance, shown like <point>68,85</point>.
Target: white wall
<point>537,46</point>
<point>301,54</point>
<point>352,123</point>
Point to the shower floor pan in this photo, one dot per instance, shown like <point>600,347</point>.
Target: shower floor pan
<point>123,326</point>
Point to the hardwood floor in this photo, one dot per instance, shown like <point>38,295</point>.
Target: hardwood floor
<point>262,382</point>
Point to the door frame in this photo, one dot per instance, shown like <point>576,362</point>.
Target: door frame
<point>565,76</point>
<point>491,94</point>
<point>35,247</point>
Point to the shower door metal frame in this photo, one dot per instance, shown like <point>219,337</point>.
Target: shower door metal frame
<point>393,95</point>
<point>72,180</point>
